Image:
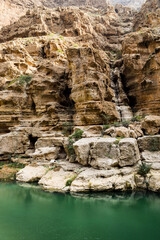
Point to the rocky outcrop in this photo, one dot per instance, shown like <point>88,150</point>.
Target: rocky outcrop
<point>31,174</point>
<point>149,15</point>
<point>141,71</point>
<point>68,94</point>
<point>105,153</point>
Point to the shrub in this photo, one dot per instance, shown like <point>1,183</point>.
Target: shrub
<point>71,140</point>
<point>16,165</point>
<point>125,123</point>
<point>67,128</point>
<point>105,118</point>
<point>116,124</point>
<point>106,127</point>
<point>77,134</point>
<point>70,148</point>
<point>136,118</point>
<point>23,79</point>
<point>69,181</point>
<point>144,169</point>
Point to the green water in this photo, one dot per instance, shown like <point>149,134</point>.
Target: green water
<point>27,213</point>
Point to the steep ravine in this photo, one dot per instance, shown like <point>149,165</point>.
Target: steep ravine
<point>75,86</point>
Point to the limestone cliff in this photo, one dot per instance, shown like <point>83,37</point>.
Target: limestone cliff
<point>80,72</point>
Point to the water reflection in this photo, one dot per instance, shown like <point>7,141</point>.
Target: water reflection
<point>30,213</point>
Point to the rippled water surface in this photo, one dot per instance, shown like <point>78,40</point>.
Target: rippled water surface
<point>27,213</point>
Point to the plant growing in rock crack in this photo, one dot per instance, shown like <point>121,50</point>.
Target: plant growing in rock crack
<point>67,128</point>
<point>23,79</point>
<point>71,140</point>
<point>144,169</point>
<point>125,123</point>
<point>77,134</point>
<point>137,118</point>
<point>69,181</point>
<point>116,124</point>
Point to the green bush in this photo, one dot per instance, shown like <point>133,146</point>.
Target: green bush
<point>70,148</point>
<point>105,118</point>
<point>136,118</point>
<point>116,124</point>
<point>67,128</point>
<point>69,181</point>
<point>71,140</point>
<point>106,127</point>
<point>125,123</point>
<point>23,79</point>
<point>16,165</point>
<point>144,169</point>
<point>77,134</point>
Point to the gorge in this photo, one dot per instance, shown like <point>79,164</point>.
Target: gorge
<point>80,95</point>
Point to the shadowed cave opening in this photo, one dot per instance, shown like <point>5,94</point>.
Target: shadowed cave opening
<point>66,100</point>
<point>32,141</point>
<point>132,99</point>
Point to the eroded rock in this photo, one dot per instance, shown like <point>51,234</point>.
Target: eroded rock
<point>31,174</point>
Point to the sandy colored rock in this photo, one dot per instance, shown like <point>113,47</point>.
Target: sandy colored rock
<point>56,181</point>
<point>141,57</point>
<point>129,152</point>
<point>95,180</point>
<point>152,159</point>
<point>46,153</point>
<point>154,181</point>
<point>82,149</point>
<point>13,143</point>
<point>149,143</point>
<point>151,125</point>
<point>31,174</point>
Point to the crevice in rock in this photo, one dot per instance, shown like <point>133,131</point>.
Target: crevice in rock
<point>43,54</point>
<point>62,154</point>
<point>33,106</point>
<point>65,96</point>
<point>32,141</point>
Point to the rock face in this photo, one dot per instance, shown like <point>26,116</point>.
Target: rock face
<point>141,73</point>
<point>104,153</point>
<point>149,15</point>
<point>56,64</point>
<point>12,10</point>
<point>71,81</point>
<point>31,174</point>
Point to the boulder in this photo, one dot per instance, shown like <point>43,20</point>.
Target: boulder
<point>152,158</point>
<point>154,181</point>
<point>14,142</point>
<point>57,181</point>
<point>151,125</point>
<point>129,152</point>
<point>31,174</point>
<point>150,143</point>
<point>124,183</point>
<point>45,153</point>
<point>82,149</point>
<point>95,180</point>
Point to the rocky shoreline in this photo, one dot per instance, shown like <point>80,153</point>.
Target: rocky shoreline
<point>96,163</point>
<point>80,96</point>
